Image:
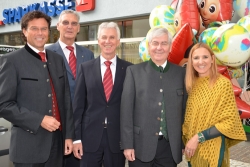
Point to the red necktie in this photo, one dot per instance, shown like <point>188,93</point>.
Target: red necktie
<point>107,80</point>
<point>55,109</point>
<point>72,60</point>
<point>42,55</point>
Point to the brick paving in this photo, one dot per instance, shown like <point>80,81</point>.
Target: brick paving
<point>239,156</point>
<point>241,152</point>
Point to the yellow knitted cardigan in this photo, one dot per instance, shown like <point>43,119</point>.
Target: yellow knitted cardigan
<point>212,106</point>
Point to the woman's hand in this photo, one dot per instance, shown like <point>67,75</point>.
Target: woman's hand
<point>191,146</point>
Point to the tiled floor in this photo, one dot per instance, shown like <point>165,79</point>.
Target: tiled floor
<point>241,152</point>
<point>239,156</point>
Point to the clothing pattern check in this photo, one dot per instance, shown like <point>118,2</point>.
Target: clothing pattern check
<point>72,60</point>
<point>107,80</point>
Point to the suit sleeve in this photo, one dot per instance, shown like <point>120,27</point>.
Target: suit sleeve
<point>127,110</point>
<point>9,109</point>
<point>68,107</point>
<point>79,102</point>
<point>185,96</point>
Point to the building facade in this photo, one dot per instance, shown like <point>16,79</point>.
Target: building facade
<point>132,17</point>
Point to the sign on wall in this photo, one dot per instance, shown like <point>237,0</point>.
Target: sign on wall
<point>85,5</point>
<point>51,7</point>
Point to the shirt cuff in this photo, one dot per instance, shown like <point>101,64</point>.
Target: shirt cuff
<point>77,141</point>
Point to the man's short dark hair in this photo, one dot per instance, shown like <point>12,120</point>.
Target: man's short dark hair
<point>31,16</point>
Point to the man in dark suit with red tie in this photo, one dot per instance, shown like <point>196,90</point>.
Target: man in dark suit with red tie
<point>97,103</point>
<point>72,54</point>
<point>35,98</point>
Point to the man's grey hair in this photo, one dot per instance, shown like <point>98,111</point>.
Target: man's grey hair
<point>108,25</point>
<point>157,32</point>
<point>69,11</point>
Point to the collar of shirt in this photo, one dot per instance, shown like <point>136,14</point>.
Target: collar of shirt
<point>65,50</point>
<point>36,50</point>
<point>163,65</point>
<point>112,66</point>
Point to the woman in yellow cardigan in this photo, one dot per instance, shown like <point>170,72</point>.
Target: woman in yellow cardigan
<point>212,123</point>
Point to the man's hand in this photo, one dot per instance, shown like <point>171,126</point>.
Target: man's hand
<point>77,150</point>
<point>50,123</point>
<point>129,154</point>
<point>68,147</point>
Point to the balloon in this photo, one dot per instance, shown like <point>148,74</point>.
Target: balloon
<point>241,7</point>
<point>223,70</point>
<point>243,107</point>
<point>236,72</point>
<point>187,12</point>
<point>143,50</point>
<point>230,44</point>
<point>245,22</point>
<point>161,15</point>
<point>201,29</point>
<point>206,35</point>
<point>181,41</point>
<point>174,4</point>
<point>215,10</point>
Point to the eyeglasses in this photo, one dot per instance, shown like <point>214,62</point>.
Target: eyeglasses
<point>156,44</point>
<point>36,29</point>
<point>65,23</point>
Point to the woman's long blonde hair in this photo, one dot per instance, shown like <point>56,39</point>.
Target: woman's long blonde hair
<point>192,74</point>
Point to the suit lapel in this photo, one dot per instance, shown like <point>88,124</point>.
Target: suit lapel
<point>79,56</point>
<point>98,77</point>
<point>119,74</point>
<point>59,51</point>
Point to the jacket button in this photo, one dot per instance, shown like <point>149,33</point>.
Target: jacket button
<point>158,118</point>
<point>157,134</point>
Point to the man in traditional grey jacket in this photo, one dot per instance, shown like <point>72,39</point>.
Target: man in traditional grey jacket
<point>35,98</point>
<point>153,106</point>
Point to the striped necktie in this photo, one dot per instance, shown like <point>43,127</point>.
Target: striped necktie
<point>72,60</point>
<point>107,80</point>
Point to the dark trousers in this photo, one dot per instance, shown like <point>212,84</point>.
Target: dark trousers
<point>71,161</point>
<point>103,156</point>
<point>163,157</point>
<point>56,154</point>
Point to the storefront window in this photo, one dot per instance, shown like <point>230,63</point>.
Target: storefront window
<point>128,51</point>
<point>87,36</point>
<point>11,39</point>
<point>93,32</point>
<point>135,28</point>
<point>54,35</point>
<point>83,34</point>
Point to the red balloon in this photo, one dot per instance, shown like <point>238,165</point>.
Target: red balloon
<point>187,12</point>
<point>181,41</point>
<point>243,107</point>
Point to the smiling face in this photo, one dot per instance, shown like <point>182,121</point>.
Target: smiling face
<point>68,27</point>
<point>209,10</point>
<point>159,49</point>
<point>108,42</point>
<point>37,33</point>
<point>202,61</point>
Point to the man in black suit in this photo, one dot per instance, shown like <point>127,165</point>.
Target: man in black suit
<point>97,109</point>
<point>35,98</point>
<point>68,26</point>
